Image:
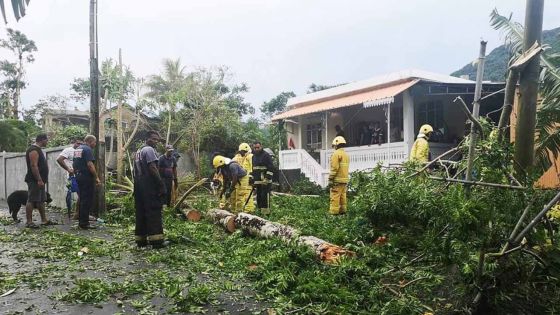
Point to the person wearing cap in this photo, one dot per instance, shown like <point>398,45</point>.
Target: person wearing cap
<point>167,165</point>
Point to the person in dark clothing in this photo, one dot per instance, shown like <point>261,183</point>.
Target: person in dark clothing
<point>36,178</point>
<point>149,193</point>
<point>262,175</point>
<point>86,176</point>
<point>167,165</point>
<point>377,136</point>
<point>339,131</point>
<point>365,136</point>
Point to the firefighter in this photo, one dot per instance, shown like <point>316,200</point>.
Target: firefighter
<point>420,151</point>
<point>245,159</point>
<point>235,178</point>
<point>338,177</point>
<point>262,175</point>
<point>149,195</point>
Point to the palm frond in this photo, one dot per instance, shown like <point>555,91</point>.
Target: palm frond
<point>18,6</point>
<point>512,31</point>
<point>547,146</point>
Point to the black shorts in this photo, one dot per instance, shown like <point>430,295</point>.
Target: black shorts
<point>36,194</point>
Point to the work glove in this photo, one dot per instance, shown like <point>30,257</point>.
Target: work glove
<point>251,180</point>
<point>331,183</point>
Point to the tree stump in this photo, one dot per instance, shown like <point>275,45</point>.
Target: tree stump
<point>222,217</point>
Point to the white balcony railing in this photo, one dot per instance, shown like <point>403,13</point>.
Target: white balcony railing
<point>367,157</point>
<point>361,158</point>
<point>300,159</point>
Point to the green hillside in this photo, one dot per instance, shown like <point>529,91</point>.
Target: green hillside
<point>496,62</point>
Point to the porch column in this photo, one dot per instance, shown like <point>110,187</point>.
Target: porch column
<point>408,121</point>
<point>326,146</point>
<point>388,123</point>
<point>301,127</point>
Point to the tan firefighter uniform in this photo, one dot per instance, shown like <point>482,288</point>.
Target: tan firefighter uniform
<point>246,162</point>
<point>338,178</point>
<point>420,151</point>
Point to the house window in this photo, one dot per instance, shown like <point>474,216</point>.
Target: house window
<point>314,136</point>
<point>430,113</point>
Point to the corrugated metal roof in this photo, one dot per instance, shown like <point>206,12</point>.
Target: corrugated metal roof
<point>405,75</point>
<point>380,96</point>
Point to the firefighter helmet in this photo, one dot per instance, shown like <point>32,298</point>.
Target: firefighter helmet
<point>245,147</point>
<point>219,160</point>
<point>425,129</point>
<point>338,140</point>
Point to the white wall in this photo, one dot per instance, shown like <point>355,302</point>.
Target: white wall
<point>13,169</point>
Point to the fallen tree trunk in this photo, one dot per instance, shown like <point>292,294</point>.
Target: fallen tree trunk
<point>258,226</point>
<point>261,227</point>
<point>326,251</point>
<point>222,217</point>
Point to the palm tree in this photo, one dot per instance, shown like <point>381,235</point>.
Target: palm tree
<point>547,130</point>
<point>17,5</point>
<point>164,88</point>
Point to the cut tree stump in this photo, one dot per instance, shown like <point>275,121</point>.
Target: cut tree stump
<point>258,226</point>
<point>192,215</point>
<point>222,217</point>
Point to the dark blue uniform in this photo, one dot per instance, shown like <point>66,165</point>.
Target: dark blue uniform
<point>148,203</point>
<point>86,185</point>
<point>166,166</point>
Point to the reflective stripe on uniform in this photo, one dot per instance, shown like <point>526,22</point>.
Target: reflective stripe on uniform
<point>155,237</point>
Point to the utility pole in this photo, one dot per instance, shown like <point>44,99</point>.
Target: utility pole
<point>476,107</point>
<point>120,155</point>
<point>528,87</point>
<point>99,152</point>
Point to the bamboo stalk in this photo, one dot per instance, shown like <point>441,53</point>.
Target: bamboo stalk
<point>178,204</point>
<point>476,108</point>
<point>537,219</point>
<point>470,182</point>
<point>517,226</point>
<point>433,161</point>
<point>467,112</point>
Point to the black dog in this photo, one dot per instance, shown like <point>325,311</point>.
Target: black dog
<point>19,198</point>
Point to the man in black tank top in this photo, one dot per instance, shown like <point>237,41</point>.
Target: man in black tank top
<point>36,178</point>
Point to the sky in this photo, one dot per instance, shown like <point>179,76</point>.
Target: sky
<point>272,45</point>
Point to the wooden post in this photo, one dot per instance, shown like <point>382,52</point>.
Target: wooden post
<point>99,206</point>
<point>528,87</point>
<point>476,107</point>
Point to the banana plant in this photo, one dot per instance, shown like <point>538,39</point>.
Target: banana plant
<point>17,5</point>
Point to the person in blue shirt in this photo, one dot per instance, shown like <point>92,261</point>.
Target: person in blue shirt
<point>86,176</point>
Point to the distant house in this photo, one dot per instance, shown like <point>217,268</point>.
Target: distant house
<point>54,119</point>
<point>395,105</point>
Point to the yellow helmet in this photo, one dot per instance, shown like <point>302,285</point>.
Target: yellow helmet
<point>338,140</point>
<point>219,160</point>
<point>425,129</point>
<point>245,147</point>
